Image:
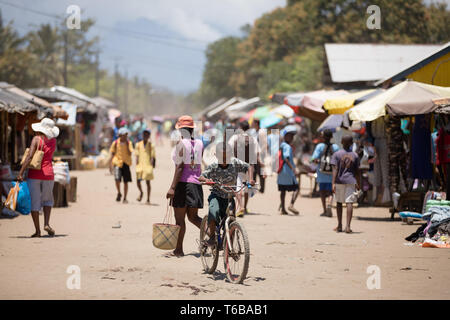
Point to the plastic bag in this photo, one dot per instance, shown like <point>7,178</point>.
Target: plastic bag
<point>23,198</point>
<point>11,200</point>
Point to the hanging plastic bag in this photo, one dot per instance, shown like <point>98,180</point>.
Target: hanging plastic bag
<point>11,200</point>
<point>23,205</point>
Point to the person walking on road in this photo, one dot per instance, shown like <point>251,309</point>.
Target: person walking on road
<point>145,163</point>
<point>185,192</point>
<point>287,176</point>
<point>120,162</point>
<point>322,156</point>
<point>346,180</point>
<point>40,182</point>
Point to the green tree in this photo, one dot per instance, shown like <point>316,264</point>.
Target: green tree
<point>45,46</point>
<point>221,57</point>
<point>301,72</point>
<point>14,59</point>
<point>289,31</point>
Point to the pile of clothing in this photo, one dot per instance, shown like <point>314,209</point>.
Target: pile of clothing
<point>436,232</point>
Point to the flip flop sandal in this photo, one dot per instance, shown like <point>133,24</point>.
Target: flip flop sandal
<point>240,213</point>
<point>348,231</point>
<point>125,201</point>
<point>337,229</point>
<point>173,255</point>
<point>119,196</point>
<point>50,231</point>
<point>293,210</point>
<point>36,235</point>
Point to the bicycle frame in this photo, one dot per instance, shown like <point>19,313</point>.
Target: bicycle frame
<point>231,192</point>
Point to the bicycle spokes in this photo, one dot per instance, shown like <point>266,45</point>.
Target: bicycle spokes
<point>236,254</point>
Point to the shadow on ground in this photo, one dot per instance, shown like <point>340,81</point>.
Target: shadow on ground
<point>386,219</point>
<point>44,236</point>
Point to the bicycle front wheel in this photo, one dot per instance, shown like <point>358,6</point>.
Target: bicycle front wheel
<point>208,255</point>
<point>236,254</point>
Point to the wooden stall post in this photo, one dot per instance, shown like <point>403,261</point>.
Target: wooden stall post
<point>2,135</point>
<point>78,148</point>
<point>14,151</point>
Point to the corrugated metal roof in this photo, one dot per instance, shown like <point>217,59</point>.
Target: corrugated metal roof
<point>74,93</point>
<point>371,62</point>
<point>56,96</point>
<point>245,105</point>
<point>224,106</point>
<point>417,64</point>
<point>104,102</point>
<point>12,103</point>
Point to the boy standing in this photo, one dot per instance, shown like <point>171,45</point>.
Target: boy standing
<point>287,177</point>
<point>120,162</point>
<point>145,162</point>
<point>322,155</point>
<point>345,181</point>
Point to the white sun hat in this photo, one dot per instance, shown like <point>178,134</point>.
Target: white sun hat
<point>46,126</point>
<point>123,131</point>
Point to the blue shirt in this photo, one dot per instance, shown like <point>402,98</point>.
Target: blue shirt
<point>286,175</point>
<point>318,151</point>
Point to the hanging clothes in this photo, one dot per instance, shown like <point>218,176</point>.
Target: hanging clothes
<point>421,149</point>
<point>397,154</point>
<point>443,156</point>
<point>381,165</point>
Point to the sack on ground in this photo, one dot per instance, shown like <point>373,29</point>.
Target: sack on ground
<point>61,171</point>
<point>23,205</point>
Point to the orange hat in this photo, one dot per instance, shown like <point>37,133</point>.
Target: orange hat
<point>185,122</point>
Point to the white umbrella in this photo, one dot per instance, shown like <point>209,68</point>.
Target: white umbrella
<point>284,111</point>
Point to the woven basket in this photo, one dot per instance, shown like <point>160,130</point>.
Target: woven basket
<point>165,235</point>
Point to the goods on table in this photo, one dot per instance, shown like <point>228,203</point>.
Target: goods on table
<point>61,171</point>
<point>87,163</point>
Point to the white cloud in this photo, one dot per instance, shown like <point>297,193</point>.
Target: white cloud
<point>191,27</point>
<point>196,19</point>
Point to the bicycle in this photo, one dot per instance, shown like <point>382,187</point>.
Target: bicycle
<point>230,236</point>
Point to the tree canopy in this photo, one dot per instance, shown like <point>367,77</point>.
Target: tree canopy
<point>283,49</point>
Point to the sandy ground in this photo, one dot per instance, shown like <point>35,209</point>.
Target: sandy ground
<point>292,257</point>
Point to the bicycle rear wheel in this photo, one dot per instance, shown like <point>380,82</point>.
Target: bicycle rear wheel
<point>236,255</point>
<point>208,255</point>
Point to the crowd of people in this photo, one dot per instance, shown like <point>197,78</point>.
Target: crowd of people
<point>243,153</point>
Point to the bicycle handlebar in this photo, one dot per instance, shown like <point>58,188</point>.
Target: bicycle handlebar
<point>231,189</point>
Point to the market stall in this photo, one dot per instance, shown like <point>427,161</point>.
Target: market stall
<point>409,149</point>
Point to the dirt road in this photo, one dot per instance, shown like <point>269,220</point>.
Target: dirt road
<point>292,257</point>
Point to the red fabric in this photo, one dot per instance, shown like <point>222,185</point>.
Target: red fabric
<point>443,147</point>
<point>46,172</point>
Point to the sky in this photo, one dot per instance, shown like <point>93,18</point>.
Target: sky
<point>163,41</point>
